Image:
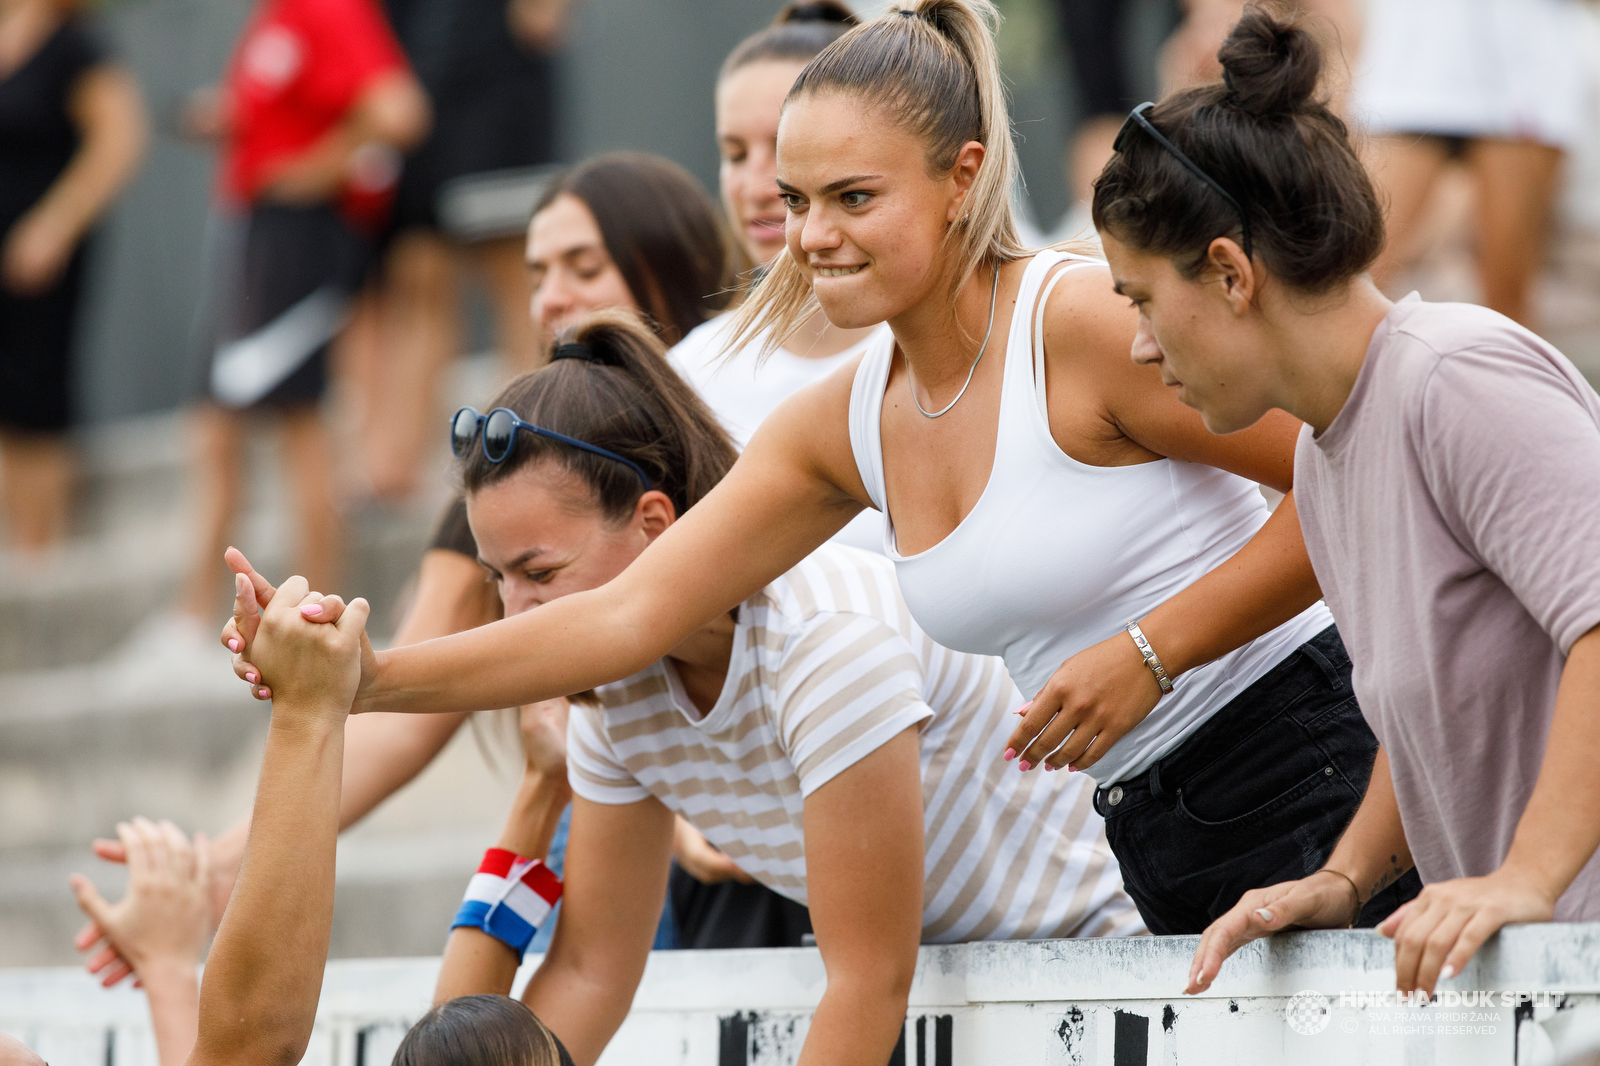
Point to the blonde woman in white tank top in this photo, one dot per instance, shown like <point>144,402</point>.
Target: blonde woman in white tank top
<point>896,159</point>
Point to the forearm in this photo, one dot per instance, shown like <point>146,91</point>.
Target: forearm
<point>111,118</point>
<point>858,1022</point>
<point>584,1009</point>
<point>535,813</point>
<point>475,963</point>
<point>384,752</point>
<point>1265,584</point>
<point>264,973</point>
<point>1560,827</point>
<point>572,644</point>
<point>173,991</point>
<point>1373,852</point>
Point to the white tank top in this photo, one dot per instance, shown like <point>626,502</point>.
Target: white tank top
<point>1058,555</point>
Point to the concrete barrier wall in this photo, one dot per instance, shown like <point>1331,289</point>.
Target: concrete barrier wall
<point>1531,998</point>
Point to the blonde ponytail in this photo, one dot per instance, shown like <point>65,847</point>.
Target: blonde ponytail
<point>932,65</point>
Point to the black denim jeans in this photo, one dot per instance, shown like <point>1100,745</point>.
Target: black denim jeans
<point>1257,795</point>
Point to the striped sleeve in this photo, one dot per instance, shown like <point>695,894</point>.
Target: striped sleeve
<point>847,685</point>
<point>593,767</point>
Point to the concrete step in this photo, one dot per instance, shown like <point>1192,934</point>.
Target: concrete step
<point>133,538</point>
<point>81,749</point>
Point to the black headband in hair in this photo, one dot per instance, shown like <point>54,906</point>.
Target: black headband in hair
<point>580,350</point>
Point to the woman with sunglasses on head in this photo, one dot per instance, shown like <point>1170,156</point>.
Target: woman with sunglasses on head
<point>624,230</point>
<point>1448,473</point>
<point>1047,500</point>
<point>820,738</point>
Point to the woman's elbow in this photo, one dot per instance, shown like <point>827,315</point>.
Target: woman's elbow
<point>399,114</point>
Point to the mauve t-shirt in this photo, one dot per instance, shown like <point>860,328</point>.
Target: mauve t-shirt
<point>1452,513</point>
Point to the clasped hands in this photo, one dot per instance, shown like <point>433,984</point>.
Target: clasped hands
<point>307,652</point>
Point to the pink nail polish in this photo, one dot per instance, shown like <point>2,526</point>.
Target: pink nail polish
<point>1049,769</point>
<point>251,676</point>
<point>1024,766</point>
<point>1011,753</point>
<point>311,610</point>
<point>1072,769</point>
<point>1025,707</point>
<point>233,645</point>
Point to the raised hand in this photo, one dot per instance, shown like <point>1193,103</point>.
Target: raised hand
<point>1090,703</point>
<point>544,736</point>
<point>252,593</point>
<point>315,669</point>
<point>162,921</point>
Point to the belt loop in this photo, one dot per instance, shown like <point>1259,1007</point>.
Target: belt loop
<point>1335,676</point>
<point>1154,781</point>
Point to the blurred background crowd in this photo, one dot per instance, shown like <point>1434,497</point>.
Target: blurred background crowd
<point>145,425</point>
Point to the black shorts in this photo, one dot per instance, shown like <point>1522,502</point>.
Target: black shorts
<point>36,341</point>
<point>499,132</point>
<point>286,278</point>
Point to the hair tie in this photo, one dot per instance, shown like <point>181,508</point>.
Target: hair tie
<point>580,350</point>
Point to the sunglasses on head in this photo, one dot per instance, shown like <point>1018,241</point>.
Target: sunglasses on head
<point>500,433</point>
<point>1137,121</point>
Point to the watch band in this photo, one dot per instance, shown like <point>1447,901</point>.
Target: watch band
<point>1151,659</point>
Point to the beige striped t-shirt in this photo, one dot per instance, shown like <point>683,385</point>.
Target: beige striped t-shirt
<point>827,666</point>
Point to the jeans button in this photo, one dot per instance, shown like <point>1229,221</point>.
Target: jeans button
<point>1327,771</point>
<point>1114,797</point>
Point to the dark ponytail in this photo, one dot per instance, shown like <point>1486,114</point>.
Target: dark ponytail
<point>1267,137</point>
<point>481,1030</point>
<point>797,35</point>
<point>624,397</point>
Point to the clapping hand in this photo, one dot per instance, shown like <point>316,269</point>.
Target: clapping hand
<point>160,925</point>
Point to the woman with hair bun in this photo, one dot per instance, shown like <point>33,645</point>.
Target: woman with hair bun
<point>1448,476</point>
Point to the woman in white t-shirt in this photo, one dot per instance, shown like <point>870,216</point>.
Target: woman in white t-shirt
<point>815,734</point>
<point>1449,482</point>
<point>740,387</point>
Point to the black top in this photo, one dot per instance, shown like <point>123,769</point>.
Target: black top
<point>37,135</point>
<point>453,533</point>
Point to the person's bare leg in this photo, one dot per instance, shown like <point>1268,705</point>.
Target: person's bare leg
<point>217,447</point>
<point>358,359</point>
<point>319,529</point>
<point>38,478</point>
<point>1405,169</point>
<point>421,334</point>
<point>1516,187</point>
<point>504,270</point>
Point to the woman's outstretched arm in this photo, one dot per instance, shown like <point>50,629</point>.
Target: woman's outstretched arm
<point>794,487</point>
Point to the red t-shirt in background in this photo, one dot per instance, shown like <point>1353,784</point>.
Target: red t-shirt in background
<point>299,68</point>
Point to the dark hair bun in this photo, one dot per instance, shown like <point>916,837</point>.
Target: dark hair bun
<point>1270,66</point>
<point>817,11</point>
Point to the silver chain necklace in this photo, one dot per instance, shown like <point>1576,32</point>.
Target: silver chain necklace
<point>911,381</point>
